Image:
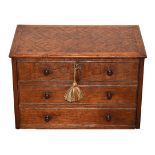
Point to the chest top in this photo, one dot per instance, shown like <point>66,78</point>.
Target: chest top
<point>77,42</point>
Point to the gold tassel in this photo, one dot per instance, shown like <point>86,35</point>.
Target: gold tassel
<point>74,93</point>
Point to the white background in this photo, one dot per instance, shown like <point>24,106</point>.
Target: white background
<point>76,142</point>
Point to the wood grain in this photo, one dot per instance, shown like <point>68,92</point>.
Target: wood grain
<point>89,71</point>
<point>139,93</point>
<point>122,96</point>
<point>77,118</point>
<point>78,41</point>
<point>15,89</point>
<point>110,74</point>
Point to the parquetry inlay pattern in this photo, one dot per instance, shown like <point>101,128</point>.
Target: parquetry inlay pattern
<point>67,40</point>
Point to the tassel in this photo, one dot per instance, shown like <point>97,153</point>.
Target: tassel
<point>74,93</point>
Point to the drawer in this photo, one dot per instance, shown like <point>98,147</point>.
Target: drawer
<point>109,71</point>
<point>110,96</point>
<point>45,71</point>
<point>77,118</point>
<point>88,71</point>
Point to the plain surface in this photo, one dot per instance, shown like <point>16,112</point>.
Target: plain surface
<point>76,142</point>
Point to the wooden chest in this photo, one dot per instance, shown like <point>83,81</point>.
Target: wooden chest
<point>77,76</point>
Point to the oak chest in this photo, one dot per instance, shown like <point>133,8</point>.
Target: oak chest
<point>77,76</point>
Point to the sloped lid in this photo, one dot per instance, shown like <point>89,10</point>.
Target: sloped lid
<point>77,42</point>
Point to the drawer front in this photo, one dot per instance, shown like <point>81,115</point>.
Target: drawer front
<point>88,71</point>
<point>77,118</point>
<point>45,71</point>
<point>109,71</point>
<point>111,96</point>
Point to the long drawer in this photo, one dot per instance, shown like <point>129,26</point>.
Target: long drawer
<point>111,96</point>
<point>76,118</point>
<point>88,71</point>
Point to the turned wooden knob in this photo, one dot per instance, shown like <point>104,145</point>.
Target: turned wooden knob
<point>46,95</point>
<point>47,118</point>
<point>109,72</point>
<point>46,72</point>
<point>109,95</point>
<point>108,117</point>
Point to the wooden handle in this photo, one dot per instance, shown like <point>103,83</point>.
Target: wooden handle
<point>109,95</point>
<point>109,72</point>
<point>46,95</point>
<point>46,71</point>
<point>47,118</point>
<point>108,117</point>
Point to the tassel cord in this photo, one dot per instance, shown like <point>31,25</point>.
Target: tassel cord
<point>75,70</point>
<point>74,93</point>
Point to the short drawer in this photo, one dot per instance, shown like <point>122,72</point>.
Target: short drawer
<point>109,96</point>
<point>109,71</point>
<point>33,71</point>
<point>88,71</point>
<point>77,118</point>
